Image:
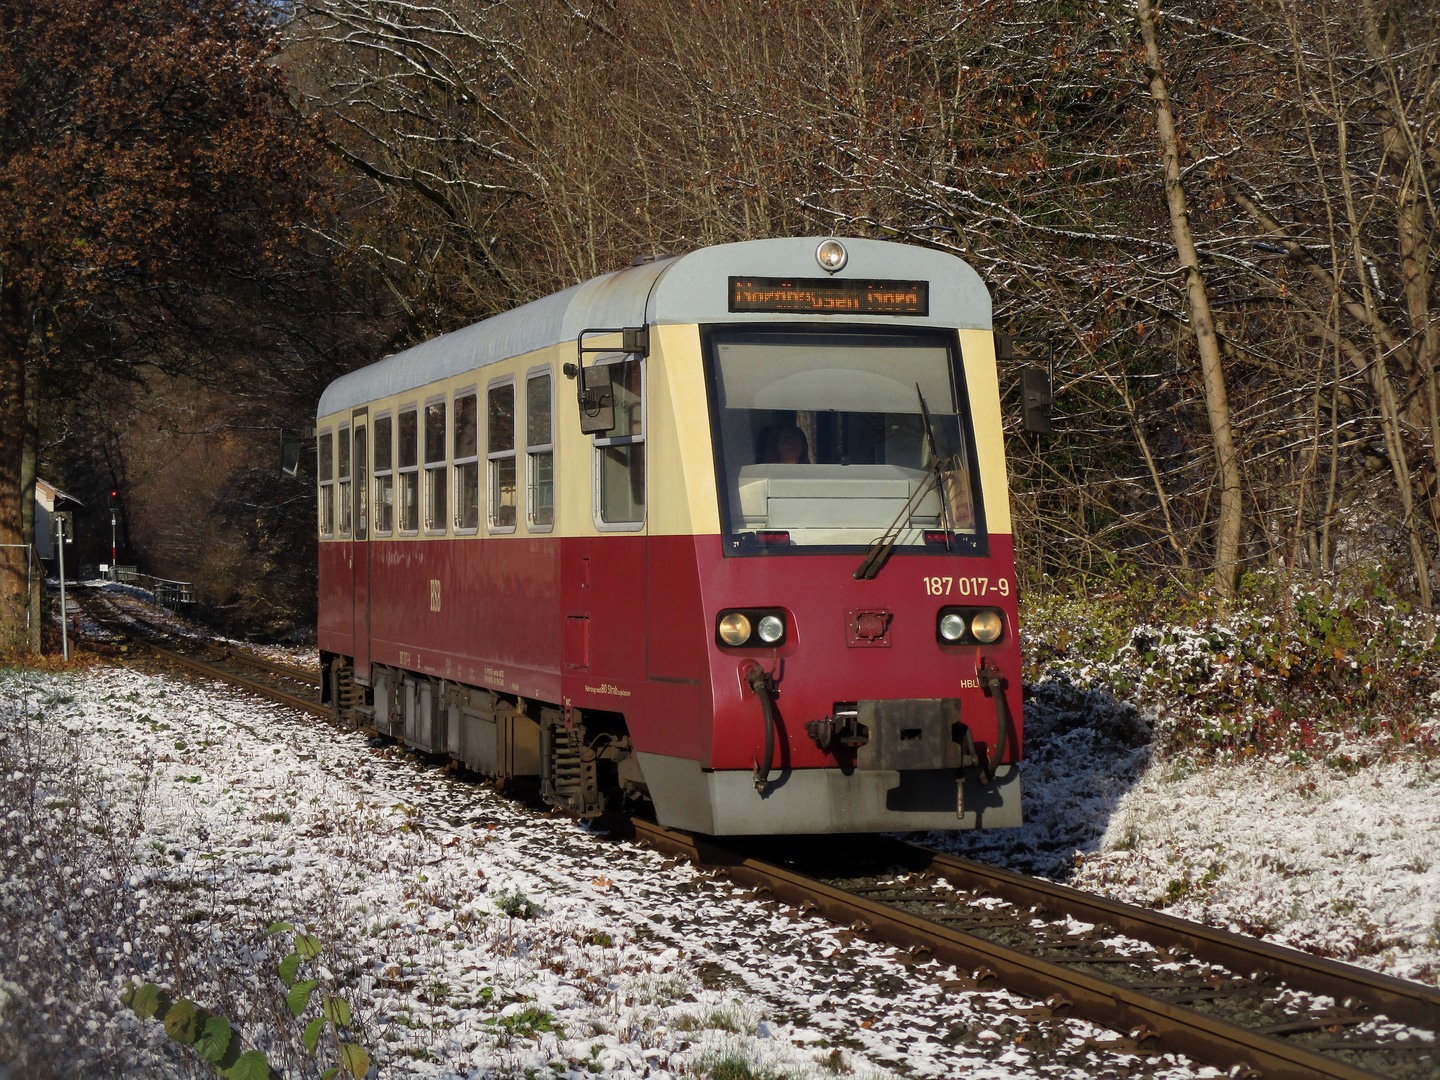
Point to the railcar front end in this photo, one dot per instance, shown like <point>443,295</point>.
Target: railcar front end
<point>728,531</point>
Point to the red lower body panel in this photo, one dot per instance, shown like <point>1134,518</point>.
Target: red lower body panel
<point>626,624</point>
<point>823,663</point>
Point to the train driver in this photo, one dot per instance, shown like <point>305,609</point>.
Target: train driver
<point>787,445</point>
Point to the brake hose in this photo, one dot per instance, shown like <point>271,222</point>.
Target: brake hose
<point>760,681</point>
<point>992,681</point>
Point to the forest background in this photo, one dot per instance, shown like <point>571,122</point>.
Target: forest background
<point>380,171</point>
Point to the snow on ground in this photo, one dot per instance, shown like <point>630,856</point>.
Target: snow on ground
<point>152,828</point>
<point>1346,866</point>
<point>195,817</point>
<point>1337,859</point>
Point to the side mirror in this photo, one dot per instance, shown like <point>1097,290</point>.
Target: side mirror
<point>597,400</point>
<point>1037,391</point>
<point>291,443</point>
<point>593,388</point>
<point>1037,394</point>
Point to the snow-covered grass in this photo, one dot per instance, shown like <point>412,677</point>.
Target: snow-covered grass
<point>153,828</point>
<point>1306,671</point>
<point>1342,864</point>
<point>1270,767</point>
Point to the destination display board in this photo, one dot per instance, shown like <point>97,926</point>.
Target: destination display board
<point>829,296</point>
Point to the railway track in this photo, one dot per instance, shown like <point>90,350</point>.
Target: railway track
<point>297,688</point>
<point>310,704</point>
<point>1248,1007</point>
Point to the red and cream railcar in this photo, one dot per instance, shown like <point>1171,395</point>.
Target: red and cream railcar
<point>727,531</point>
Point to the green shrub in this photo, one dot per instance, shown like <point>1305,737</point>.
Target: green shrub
<point>516,904</point>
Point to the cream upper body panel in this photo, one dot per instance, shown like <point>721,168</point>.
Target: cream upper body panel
<point>675,297</point>
<point>684,499</point>
<point>982,381</point>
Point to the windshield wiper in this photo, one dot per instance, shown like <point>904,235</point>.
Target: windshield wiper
<point>879,553</point>
<point>935,469</point>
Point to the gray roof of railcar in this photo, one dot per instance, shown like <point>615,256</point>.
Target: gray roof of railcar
<point>690,288</point>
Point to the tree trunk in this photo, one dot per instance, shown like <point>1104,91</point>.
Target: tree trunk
<point>1227,528</point>
<point>29,468</point>
<point>13,592</point>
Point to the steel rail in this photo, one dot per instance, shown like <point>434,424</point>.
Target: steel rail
<point>275,694</point>
<point>283,670</point>
<point>292,700</point>
<point>1407,1002</point>
<point>1154,1024</point>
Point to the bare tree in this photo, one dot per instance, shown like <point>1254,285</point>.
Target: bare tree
<point>1230,519</point>
<point>501,151</point>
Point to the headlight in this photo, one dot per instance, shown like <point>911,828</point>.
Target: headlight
<point>986,627</point>
<point>832,256</point>
<point>734,629</point>
<point>771,629</point>
<point>753,628</point>
<point>969,626</point>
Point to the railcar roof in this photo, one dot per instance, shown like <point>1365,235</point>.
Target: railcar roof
<point>690,288</point>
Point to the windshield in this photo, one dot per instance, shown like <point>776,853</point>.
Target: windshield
<point>821,441</point>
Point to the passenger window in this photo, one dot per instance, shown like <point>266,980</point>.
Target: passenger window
<point>620,456</point>
<point>539,454</point>
<point>343,480</point>
<point>435,466</point>
<point>467,464</point>
<point>501,455</point>
<point>325,472</point>
<point>409,472</point>
<point>362,489</point>
<point>384,477</point>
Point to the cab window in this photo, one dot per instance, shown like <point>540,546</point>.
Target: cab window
<point>620,454</point>
<point>539,453</point>
<point>828,440</point>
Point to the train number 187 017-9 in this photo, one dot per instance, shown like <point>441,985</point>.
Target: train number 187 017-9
<point>966,586</point>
